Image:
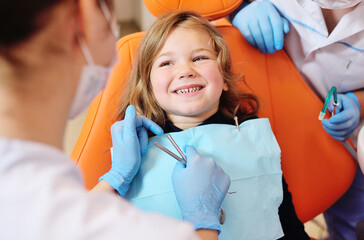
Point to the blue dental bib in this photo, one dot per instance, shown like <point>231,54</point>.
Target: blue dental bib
<point>251,157</point>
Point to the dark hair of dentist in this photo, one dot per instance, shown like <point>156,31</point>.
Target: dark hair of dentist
<point>54,56</point>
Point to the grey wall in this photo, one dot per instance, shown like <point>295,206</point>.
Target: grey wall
<point>134,10</point>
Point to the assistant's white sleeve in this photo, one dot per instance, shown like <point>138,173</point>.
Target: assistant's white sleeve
<point>107,216</point>
<point>42,197</point>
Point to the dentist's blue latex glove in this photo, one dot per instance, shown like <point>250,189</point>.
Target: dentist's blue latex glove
<point>346,118</point>
<point>130,142</point>
<point>262,26</point>
<point>200,188</point>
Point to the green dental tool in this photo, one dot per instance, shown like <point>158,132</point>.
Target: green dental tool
<point>333,93</point>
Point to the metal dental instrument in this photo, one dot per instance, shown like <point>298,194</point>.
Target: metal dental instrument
<point>176,146</point>
<point>183,160</point>
<point>169,152</point>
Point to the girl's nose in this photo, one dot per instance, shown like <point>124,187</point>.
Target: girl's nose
<point>186,72</point>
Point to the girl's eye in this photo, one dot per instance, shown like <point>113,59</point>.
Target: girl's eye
<point>166,63</point>
<point>199,58</point>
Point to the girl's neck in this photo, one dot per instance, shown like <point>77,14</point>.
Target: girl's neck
<point>185,122</point>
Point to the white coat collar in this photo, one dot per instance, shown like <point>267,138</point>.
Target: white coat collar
<point>306,17</point>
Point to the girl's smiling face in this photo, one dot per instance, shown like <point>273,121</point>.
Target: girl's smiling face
<point>186,78</point>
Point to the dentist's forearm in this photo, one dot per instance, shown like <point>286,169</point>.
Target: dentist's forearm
<point>103,186</point>
<point>207,234</point>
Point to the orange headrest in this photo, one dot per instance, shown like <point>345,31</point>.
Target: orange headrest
<point>211,10</point>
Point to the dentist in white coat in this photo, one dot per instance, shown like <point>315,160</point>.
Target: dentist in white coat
<point>325,40</point>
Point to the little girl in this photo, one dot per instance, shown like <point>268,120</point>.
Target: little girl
<point>182,80</point>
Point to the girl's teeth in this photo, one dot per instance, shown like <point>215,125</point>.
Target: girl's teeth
<point>187,90</point>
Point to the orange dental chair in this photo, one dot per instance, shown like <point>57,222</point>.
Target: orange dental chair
<point>317,168</point>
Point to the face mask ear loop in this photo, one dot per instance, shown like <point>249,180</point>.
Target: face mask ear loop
<point>105,10</point>
<point>333,93</point>
<point>85,50</point>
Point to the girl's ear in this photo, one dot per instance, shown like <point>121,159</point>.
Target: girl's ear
<point>225,87</point>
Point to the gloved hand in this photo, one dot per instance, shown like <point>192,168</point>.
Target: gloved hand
<point>346,118</point>
<point>262,26</point>
<point>200,188</point>
<point>130,141</point>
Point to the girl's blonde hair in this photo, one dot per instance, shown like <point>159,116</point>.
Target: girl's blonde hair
<point>138,90</point>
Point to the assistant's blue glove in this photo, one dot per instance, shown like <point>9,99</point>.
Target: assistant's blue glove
<point>262,26</point>
<point>200,188</point>
<point>130,142</point>
<point>346,118</point>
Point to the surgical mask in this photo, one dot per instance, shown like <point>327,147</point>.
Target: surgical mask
<point>336,4</point>
<point>93,77</point>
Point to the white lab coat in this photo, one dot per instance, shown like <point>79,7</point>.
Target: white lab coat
<point>325,60</point>
<point>42,197</point>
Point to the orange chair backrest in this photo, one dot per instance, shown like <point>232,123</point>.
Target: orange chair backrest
<point>317,168</point>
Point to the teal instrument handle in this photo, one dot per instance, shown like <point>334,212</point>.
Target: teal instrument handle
<point>333,93</point>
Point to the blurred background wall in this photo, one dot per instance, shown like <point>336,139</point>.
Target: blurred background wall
<point>133,12</point>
